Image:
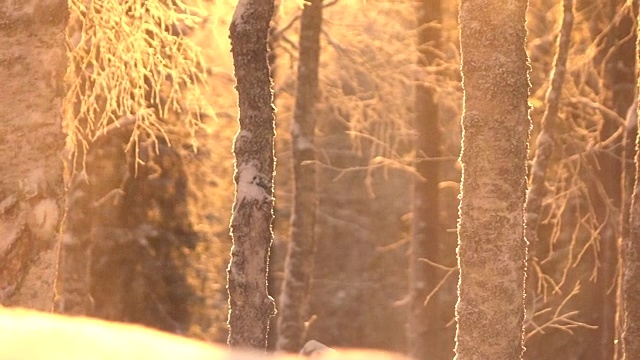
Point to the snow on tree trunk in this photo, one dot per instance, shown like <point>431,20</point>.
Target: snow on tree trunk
<point>495,121</point>
<point>33,62</point>
<point>250,306</point>
<point>294,299</point>
<point>631,260</point>
<point>426,321</point>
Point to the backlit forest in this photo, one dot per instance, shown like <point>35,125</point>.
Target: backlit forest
<point>433,178</point>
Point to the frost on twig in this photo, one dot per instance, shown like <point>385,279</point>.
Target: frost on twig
<point>127,61</point>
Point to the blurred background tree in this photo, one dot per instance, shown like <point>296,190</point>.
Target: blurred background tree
<point>299,263</point>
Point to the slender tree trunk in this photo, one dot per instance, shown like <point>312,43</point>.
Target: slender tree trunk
<point>616,62</point>
<point>491,243</point>
<point>631,256</point>
<point>546,138</point>
<point>294,299</point>
<point>250,306</point>
<point>33,61</point>
<point>425,323</point>
<point>628,185</point>
<point>546,141</point>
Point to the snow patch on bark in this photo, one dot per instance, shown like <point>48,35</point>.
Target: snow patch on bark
<point>238,15</point>
<point>252,185</point>
<point>300,141</point>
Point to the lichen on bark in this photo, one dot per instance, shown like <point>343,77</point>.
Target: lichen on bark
<point>250,306</point>
<point>33,61</point>
<point>491,244</point>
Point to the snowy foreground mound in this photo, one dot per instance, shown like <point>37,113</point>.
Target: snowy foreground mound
<point>31,335</point>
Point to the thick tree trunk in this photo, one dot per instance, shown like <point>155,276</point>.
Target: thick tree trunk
<point>426,324</point>
<point>294,299</point>
<point>129,251</point>
<point>128,237</point>
<point>33,61</point>
<point>495,121</point>
<point>250,306</point>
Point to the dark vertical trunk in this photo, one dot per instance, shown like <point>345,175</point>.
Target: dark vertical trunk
<point>294,299</point>
<point>616,61</point>
<point>128,235</point>
<point>545,146</point>
<point>630,249</point>
<point>250,306</point>
<point>426,321</point>
<point>33,61</point>
<point>631,273</point>
<point>495,122</point>
<point>627,187</point>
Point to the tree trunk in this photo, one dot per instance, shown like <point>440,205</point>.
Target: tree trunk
<point>129,251</point>
<point>495,121</point>
<point>250,306</point>
<point>129,236</point>
<point>545,144</point>
<point>616,62</point>
<point>33,63</point>
<point>294,299</point>
<point>631,254</point>
<point>426,324</point>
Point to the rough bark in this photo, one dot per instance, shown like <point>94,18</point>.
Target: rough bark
<point>495,122</point>
<point>250,306</point>
<point>425,324</point>
<point>33,62</point>
<point>299,263</point>
<point>631,259</point>
<point>628,185</point>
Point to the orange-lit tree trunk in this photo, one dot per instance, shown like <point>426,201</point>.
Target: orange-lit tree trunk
<point>250,306</point>
<point>631,257</point>
<point>495,122</point>
<point>33,61</point>
<point>294,298</point>
<point>425,322</point>
<point>615,60</point>
<point>127,235</point>
<point>547,138</point>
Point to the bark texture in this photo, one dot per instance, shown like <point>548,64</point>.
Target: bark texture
<point>33,61</point>
<point>250,306</point>
<point>631,260</point>
<point>495,122</point>
<point>299,263</point>
<point>426,323</point>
